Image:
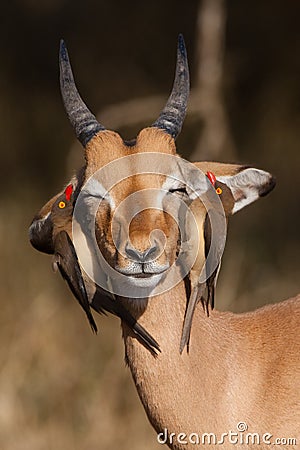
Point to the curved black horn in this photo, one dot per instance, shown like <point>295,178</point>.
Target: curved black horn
<point>83,121</point>
<point>172,116</point>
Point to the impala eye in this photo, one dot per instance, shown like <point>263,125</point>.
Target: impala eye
<point>179,190</point>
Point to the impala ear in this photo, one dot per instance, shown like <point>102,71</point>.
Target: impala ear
<point>247,185</point>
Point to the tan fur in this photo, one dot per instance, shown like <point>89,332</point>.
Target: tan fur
<point>240,367</point>
<point>108,146</point>
<point>218,168</point>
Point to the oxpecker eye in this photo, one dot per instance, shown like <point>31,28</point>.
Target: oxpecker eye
<point>61,205</point>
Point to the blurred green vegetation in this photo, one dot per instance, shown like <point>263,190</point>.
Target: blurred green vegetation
<point>60,386</point>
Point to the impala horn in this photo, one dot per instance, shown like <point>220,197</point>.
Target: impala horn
<point>82,120</point>
<point>172,116</point>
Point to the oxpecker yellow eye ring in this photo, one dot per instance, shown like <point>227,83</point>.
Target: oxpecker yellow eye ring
<point>219,191</point>
<point>61,205</point>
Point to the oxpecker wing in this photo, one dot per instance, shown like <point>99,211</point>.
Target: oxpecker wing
<point>65,259</point>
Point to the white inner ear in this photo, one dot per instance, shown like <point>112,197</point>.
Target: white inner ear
<point>246,186</point>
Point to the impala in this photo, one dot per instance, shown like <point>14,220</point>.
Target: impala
<point>231,380</point>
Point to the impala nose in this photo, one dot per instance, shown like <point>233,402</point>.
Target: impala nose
<point>141,257</point>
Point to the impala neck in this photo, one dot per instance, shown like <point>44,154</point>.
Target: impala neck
<point>171,385</point>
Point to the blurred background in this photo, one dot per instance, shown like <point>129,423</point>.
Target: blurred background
<point>60,386</point>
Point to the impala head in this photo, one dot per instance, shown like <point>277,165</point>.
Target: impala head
<point>131,185</point>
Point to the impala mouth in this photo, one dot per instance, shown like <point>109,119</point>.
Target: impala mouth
<point>145,270</point>
<point>142,275</point>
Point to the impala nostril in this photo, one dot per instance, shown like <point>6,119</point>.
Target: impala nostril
<point>150,251</point>
<point>132,252</point>
<point>138,256</point>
